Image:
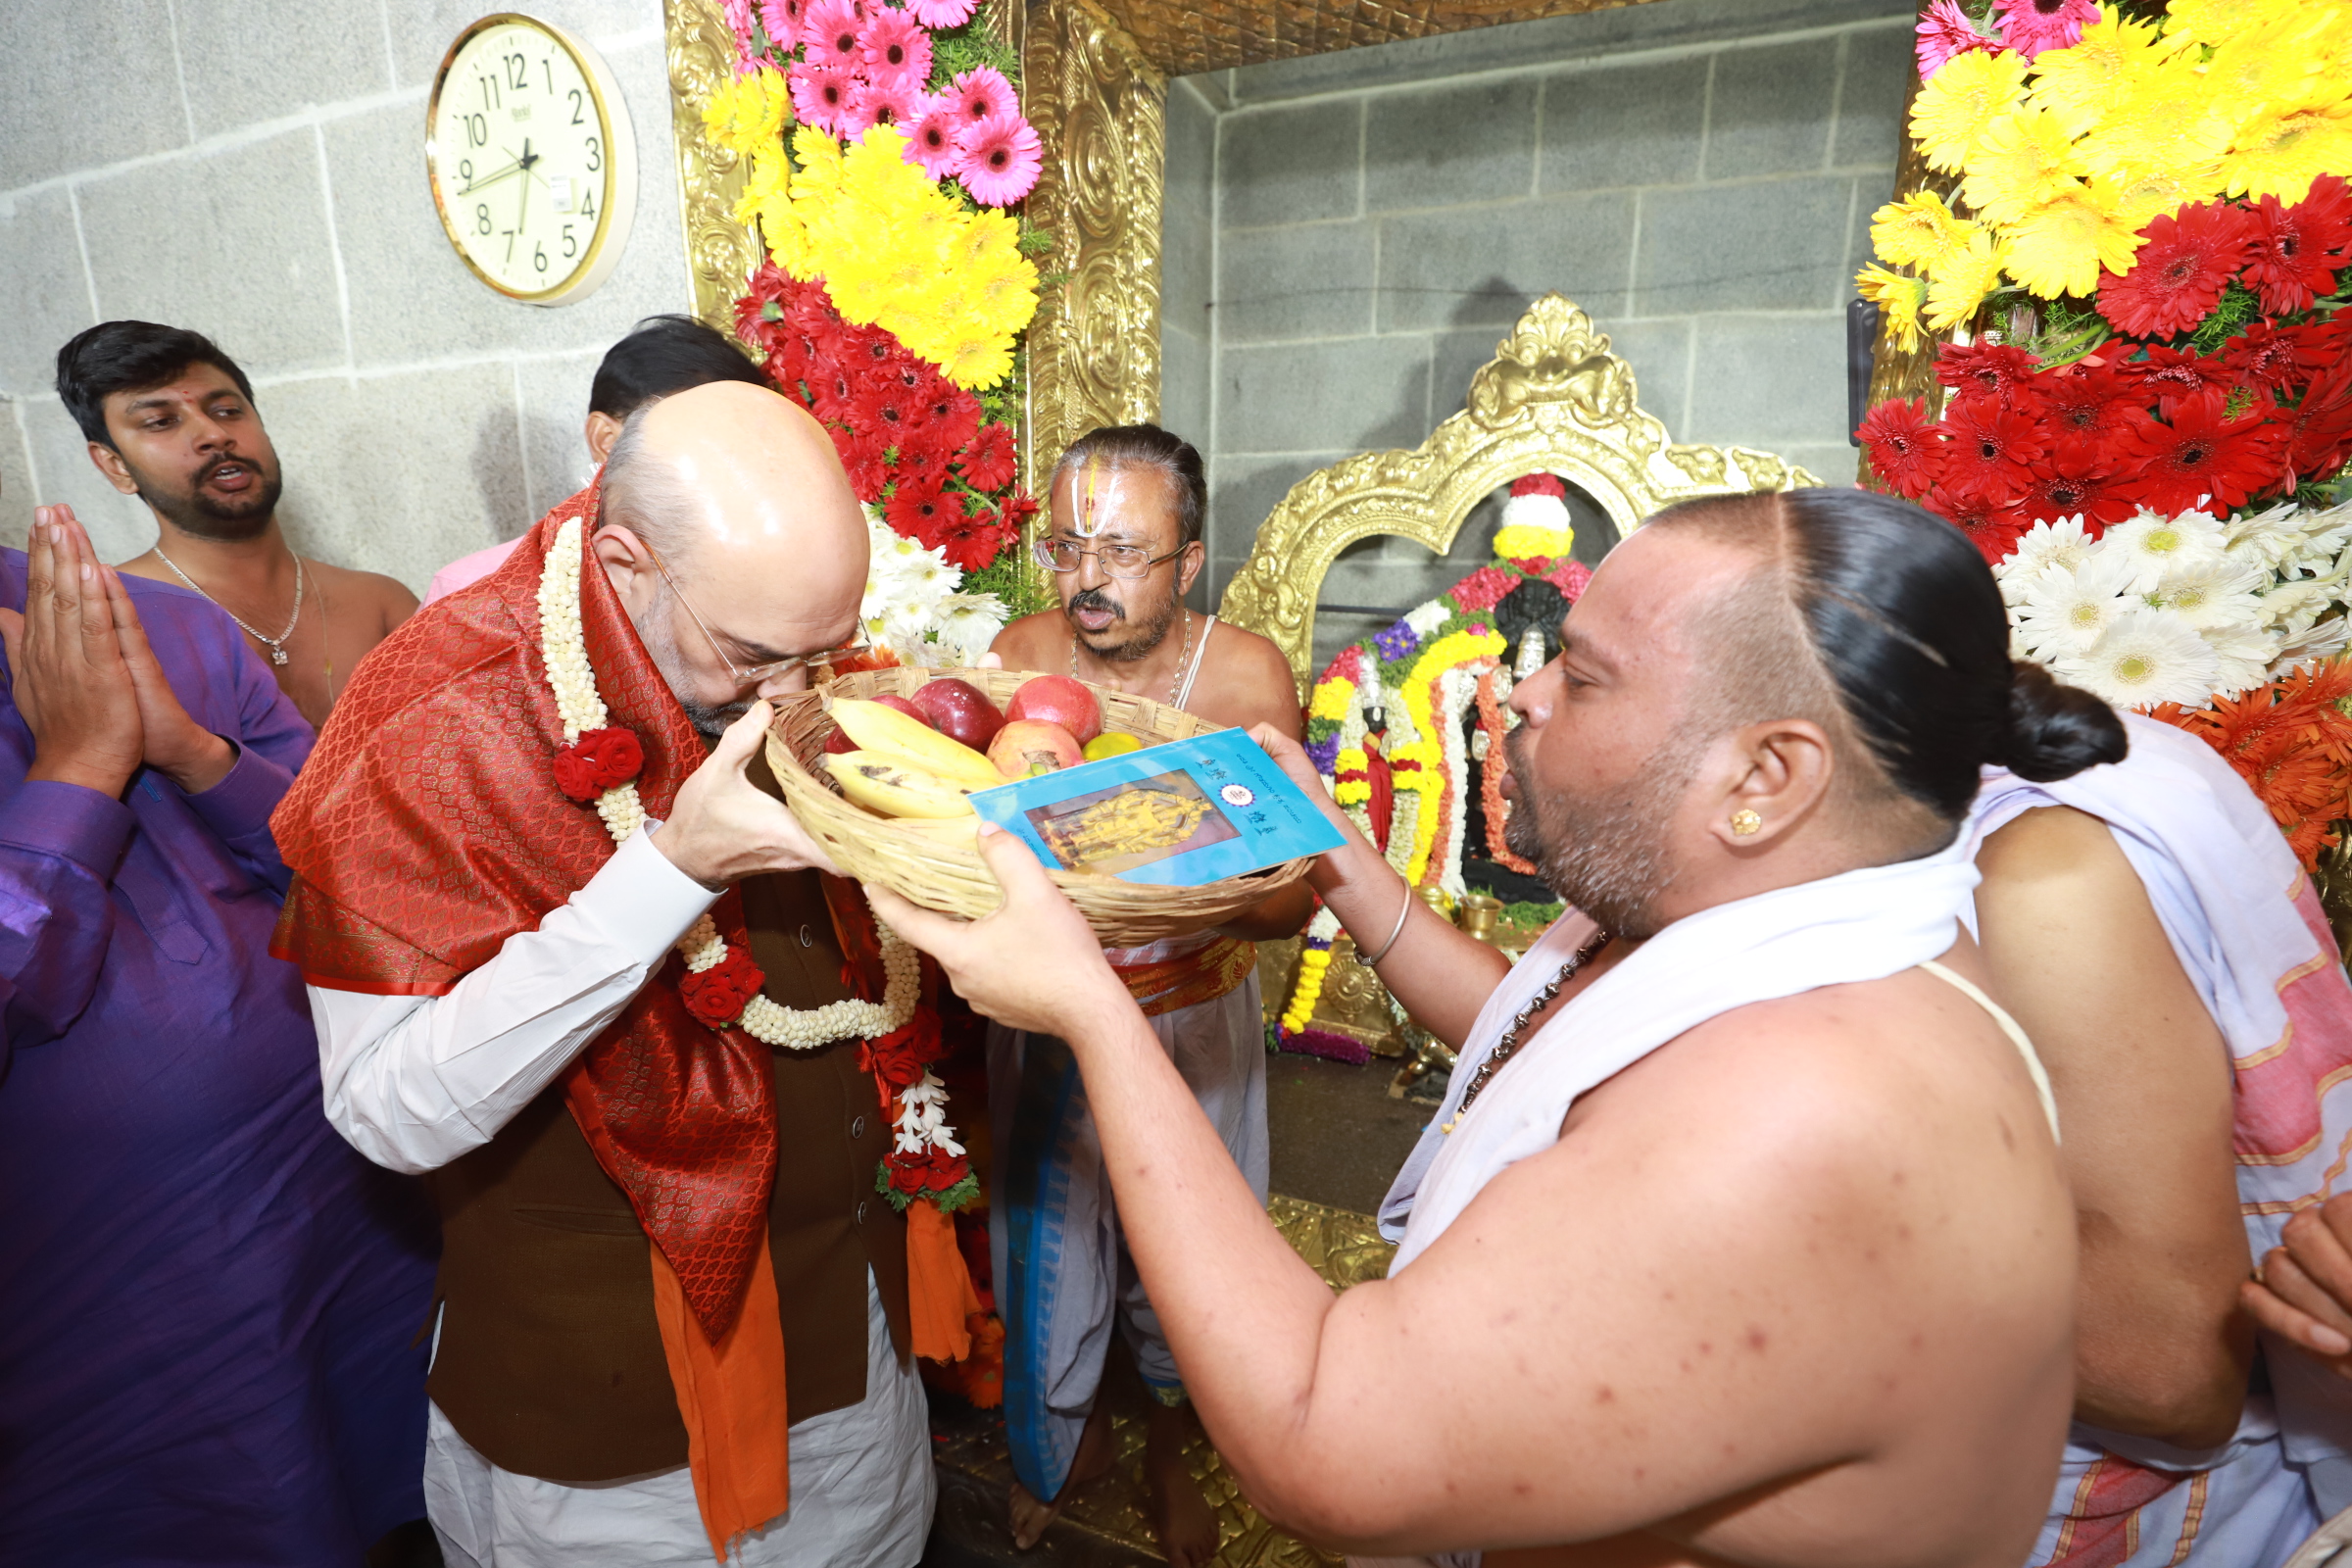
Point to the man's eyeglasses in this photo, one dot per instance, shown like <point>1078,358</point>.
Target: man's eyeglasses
<point>1118,560</point>
<point>753,677</point>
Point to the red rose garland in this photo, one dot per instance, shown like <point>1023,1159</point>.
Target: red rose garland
<point>599,760</point>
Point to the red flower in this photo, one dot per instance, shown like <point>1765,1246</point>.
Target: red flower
<point>2292,261</point>
<point>944,1170</point>
<point>2319,432</point>
<point>1989,449</point>
<point>2087,404</point>
<point>597,761</point>
<point>920,460</point>
<point>861,461</point>
<point>2075,481</point>
<point>2168,376</point>
<point>921,509</point>
<point>1990,526</point>
<point>987,460</point>
<point>1905,448</point>
<point>2269,360</point>
<point>1996,370</point>
<point>885,414</point>
<point>1541,484</point>
<point>2179,273</point>
<point>832,392</point>
<point>954,415</point>
<point>895,1060</point>
<point>2204,457</point>
<point>1019,510</point>
<point>908,1175</point>
<point>1482,589</point>
<point>717,995</point>
<point>973,538</point>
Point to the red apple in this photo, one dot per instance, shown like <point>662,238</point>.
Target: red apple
<point>1058,699</point>
<point>961,711</point>
<point>1025,747</point>
<point>839,742</point>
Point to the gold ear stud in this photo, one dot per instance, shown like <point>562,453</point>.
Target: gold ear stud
<point>1745,822</point>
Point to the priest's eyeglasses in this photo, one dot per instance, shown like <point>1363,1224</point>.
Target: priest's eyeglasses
<point>1129,562</point>
<point>745,678</point>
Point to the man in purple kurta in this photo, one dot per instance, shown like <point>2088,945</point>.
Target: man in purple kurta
<point>209,1303</point>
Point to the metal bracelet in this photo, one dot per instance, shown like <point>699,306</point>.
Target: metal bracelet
<point>1373,962</point>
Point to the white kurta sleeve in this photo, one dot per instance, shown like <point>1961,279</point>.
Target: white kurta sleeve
<point>413,1082</point>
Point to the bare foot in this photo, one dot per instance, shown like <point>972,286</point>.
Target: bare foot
<point>1180,1516</point>
<point>1030,1517</point>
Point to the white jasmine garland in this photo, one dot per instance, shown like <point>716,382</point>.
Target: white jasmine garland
<point>563,648</point>
<point>1457,691</point>
<point>806,1028</point>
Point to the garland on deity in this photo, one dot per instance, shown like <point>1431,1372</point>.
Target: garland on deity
<point>2139,262</point>
<point>1404,786</point>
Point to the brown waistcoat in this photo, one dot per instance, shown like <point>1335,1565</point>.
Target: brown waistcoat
<point>550,1363</point>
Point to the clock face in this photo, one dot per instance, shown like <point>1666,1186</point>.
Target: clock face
<point>528,148</point>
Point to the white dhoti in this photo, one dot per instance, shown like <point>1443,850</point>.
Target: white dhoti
<point>1062,1273</point>
<point>862,1489</point>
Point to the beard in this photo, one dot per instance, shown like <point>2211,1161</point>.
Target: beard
<point>663,649</point>
<point>218,518</point>
<point>1606,854</point>
<point>1140,638</point>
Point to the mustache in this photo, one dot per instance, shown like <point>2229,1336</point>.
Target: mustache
<point>1095,599</point>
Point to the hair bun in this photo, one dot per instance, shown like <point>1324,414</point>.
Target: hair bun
<point>2056,730</point>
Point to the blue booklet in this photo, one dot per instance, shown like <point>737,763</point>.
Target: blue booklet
<point>1176,815</point>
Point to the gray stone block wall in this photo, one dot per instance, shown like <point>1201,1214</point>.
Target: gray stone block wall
<point>1698,174</point>
<point>257,172</point>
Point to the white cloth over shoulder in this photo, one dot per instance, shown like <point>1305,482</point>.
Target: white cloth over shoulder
<point>1861,926</point>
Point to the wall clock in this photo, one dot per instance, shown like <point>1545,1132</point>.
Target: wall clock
<point>533,163</point>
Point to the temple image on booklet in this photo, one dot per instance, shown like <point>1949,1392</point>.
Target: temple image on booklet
<point>1177,814</point>
<point>1112,830</point>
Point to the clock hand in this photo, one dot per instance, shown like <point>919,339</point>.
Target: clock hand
<point>494,178</point>
<point>522,203</point>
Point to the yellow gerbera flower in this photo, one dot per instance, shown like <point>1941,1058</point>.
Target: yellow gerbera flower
<point>1917,231</point>
<point>1954,297</point>
<point>1898,299</point>
<point>2059,246</point>
<point>990,236</point>
<point>2023,158</point>
<point>2214,21</point>
<point>1004,294</point>
<point>2272,61</point>
<point>1954,107</point>
<point>977,362</point>
<point>747,114</point>
<point>2281,148</point>
<point>2163,120</point>
<point>2077,83</point>
<point>2135,199</point>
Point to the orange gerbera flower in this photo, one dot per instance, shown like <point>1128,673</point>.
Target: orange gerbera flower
<point>2292,740</point>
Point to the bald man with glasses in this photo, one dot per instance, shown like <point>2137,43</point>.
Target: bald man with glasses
<point>1123,545</point>
<point>674,1323</point>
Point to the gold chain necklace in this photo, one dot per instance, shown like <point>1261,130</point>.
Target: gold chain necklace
<point>276,644</point>
<point>1184,657</point>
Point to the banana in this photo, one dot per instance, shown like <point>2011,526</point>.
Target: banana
<point>895,787</point>
<point>876,728</point>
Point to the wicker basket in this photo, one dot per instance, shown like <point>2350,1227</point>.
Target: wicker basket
<point>942,874</point>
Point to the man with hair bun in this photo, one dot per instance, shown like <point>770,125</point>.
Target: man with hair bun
<point>2162,948</point>
<point>1741,1236</point>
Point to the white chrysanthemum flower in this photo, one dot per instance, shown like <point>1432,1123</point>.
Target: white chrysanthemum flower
<point>2323,638</point>
<point>2144,657</point>
<point>2213,593</point>
<point>2157,545</point>
<point>2265,538</point>
<point>969,623</point>
<point>2063,542</point>
<point>2062,613</point>
<point>1428,617</point>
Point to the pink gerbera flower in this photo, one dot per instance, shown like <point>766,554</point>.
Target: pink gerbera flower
<point>941,13</point>
<point>998,159</point>
<point>1944,30</point>
<point>895,45</point>
<point>882,100</point>
<point>2030,27</point>
<point>830,28</point>
<point>983,93</point>
<point>782,20</point>
<point>931,138</point>
<point>739,21</point>
<point>821,96</point>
